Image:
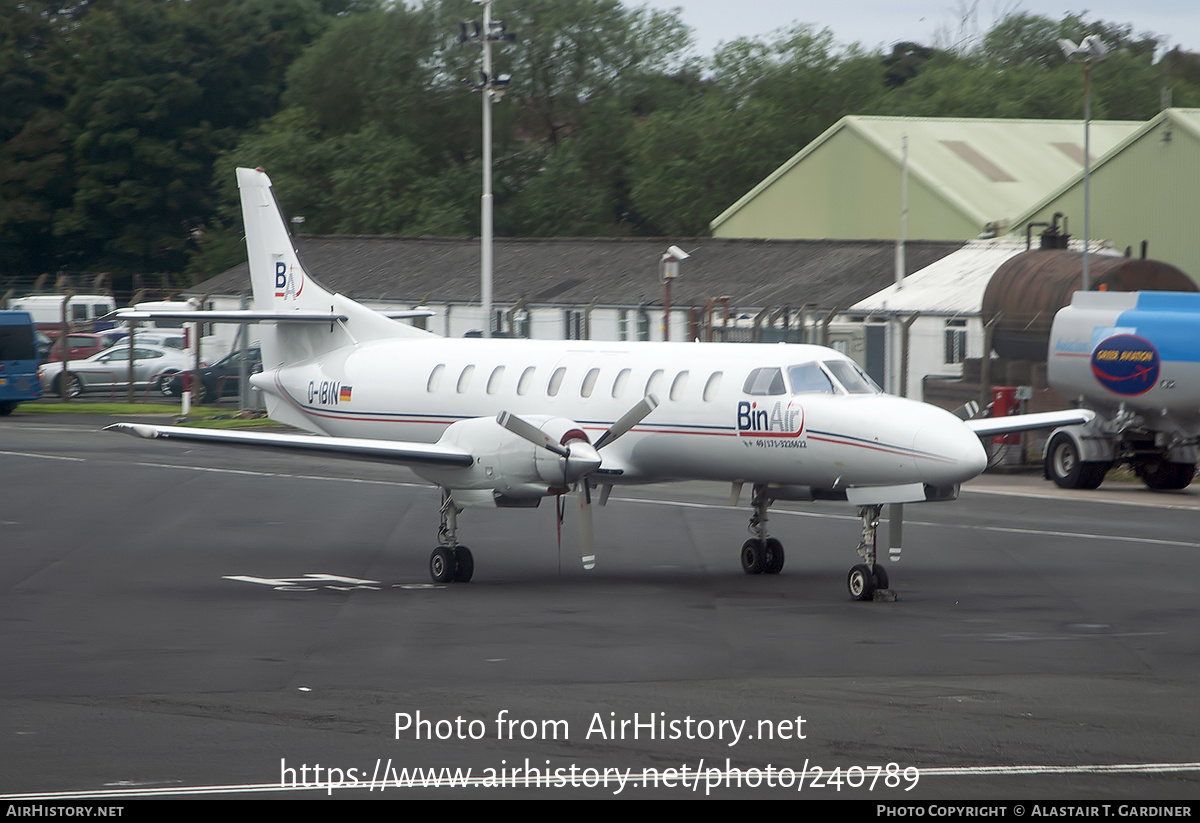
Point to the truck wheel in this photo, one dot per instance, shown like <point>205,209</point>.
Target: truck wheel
<point>1064,467</point>
<point>1162,475</point>
<point>7,409</point>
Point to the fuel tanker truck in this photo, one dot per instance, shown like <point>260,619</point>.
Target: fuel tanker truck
<point>1133,358</point>
<point>1129,349</point>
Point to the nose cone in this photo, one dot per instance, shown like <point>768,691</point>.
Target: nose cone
<point>949,452</point>
<point>583,460</point>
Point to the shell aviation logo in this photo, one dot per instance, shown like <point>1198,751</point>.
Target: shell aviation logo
<point>1126,364</point>
<point>285,281</point>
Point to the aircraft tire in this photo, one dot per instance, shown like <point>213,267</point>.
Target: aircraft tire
<point>442,565</point>
<point>861,582</point>
<point>464,565</point>
<point>774,560</point>
<point>754,557</point>
<point>881,577</point>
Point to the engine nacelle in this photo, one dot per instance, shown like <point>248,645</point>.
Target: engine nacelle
<point>508,469</point>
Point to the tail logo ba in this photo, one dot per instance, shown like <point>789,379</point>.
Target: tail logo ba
<point>285,281</point>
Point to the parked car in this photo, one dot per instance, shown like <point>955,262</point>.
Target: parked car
<point>80,346</point>
<point>221,379</point>
<point>109,370</point>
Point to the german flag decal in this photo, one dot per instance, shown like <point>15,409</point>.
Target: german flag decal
<point>344,394</point>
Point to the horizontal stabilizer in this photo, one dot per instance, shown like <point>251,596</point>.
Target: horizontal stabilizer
<point>987,426</point>
<point>423,454</point>
<point>251,316</point>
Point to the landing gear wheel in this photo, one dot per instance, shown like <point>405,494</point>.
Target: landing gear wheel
<point>861,582</point>
<point>754,557</point>
<point>442,565</point>
<point>464,565</point>
<point>881,578</point>
<point>774,564</point>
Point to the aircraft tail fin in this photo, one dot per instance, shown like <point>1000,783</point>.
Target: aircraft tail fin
<point>281,284</point>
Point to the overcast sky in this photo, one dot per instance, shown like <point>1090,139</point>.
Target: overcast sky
<point>884,22</point>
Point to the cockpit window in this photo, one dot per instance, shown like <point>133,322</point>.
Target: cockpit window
<point>853,379</point>
<point>765,381</point>
<point>808,378</point>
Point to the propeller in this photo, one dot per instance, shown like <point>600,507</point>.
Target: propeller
<point>580,459</point>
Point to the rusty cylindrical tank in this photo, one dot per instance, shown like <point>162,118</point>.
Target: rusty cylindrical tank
<point>1029,288</point>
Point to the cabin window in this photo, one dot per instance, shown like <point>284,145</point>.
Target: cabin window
<point>808,378</point>
<point>678,385</point>
<point>765,381</point>
<point>620,383</point>
<point>526,381</point>
<point>556,381</point>
<point>464,379</point>
<point>712,387</point>
<point>654,383</point>
<point>435,378</point>
<point>493,384</point>
<point>589,383</point>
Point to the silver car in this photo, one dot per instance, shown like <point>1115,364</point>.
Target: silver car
<point>109,370</point>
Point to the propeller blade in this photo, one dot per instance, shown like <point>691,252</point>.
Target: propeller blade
<point>530,432</point>
<point>587,535</point>
<point>967,410</point>
<point>628,420</point>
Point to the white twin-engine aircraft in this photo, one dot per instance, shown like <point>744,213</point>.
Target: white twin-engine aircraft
<point>508,422</point>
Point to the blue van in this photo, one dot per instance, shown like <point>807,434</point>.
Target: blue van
<point>18,360</point>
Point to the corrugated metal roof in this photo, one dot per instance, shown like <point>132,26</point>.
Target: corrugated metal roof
<point>610,271</point>
<point>987,168</point>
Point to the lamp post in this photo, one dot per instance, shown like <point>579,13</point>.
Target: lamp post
<point>492,88</point>
<point>668,270</point>
<point>1089,50</point>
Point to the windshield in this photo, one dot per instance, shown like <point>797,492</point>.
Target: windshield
<point>809,377</point>
<point>853,379</point>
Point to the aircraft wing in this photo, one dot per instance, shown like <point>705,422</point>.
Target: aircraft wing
<point>987,426</point>
<point>427,454</point>
<point>251,316</point>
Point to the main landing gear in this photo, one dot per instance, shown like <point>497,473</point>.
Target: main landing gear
<point>761,554</point>
<point>450,562</point>
<point>867,577</point>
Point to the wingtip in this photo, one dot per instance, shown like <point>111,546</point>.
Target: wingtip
<point>136,429</point>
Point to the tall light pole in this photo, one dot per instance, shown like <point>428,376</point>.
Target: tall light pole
<point>1089,50</point>
<point>492,89</point>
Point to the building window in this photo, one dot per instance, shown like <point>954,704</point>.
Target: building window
<point>573,324</point>
<point>643,325</point>
<point>956,341</point>
<point>622,325</point>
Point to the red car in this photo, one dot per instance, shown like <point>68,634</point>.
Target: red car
<point>80,346</point>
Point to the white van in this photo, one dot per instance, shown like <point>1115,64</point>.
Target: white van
<point>83,310</point>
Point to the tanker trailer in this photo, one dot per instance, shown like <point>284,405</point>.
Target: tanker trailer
<point>1133,358</point>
